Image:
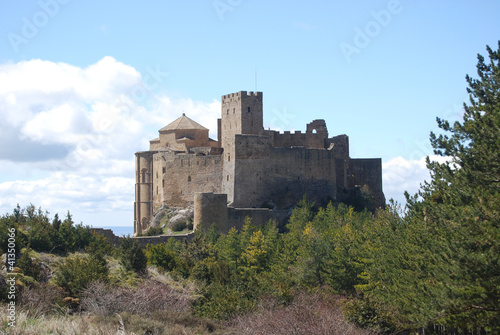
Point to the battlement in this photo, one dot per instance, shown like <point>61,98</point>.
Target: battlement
<point>316,136</point>
<point>241,94</point>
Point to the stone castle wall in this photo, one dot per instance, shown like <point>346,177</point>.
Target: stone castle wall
<point>210,208</point>
<point>368,172</point>
<point>339,145</point>
<point>267,176</point>
<point>178,176</point>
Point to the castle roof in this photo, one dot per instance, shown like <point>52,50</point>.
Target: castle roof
<point>183,123</point>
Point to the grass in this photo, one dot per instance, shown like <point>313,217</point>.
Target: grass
<point>182,232</point>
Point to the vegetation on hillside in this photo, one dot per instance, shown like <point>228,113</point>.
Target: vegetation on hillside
<point>432,267</point>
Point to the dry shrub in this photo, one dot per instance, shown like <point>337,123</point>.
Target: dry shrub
<point>311,314</point>
<point>153,296</point>
<point>40,299</point>
<point>148,297</point>
<point>26,324</point>
<point>102,299</point>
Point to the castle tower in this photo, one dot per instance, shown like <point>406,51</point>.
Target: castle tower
<point>242,113</point>
<point>316,134</point>
<point>143,205</point>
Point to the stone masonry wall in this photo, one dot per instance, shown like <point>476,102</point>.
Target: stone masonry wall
<point>212,209</point>
<point>368,172</point>
<point>209,209</point>
<point>281,176</point>
<point>177,177</point>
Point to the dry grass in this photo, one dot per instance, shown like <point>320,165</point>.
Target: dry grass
<point>103,300</point>
<point>40,299</point>
<point>161,323</point>
<point>310,314</point>
<point>57,324</point>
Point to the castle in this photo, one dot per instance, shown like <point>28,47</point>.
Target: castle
<point>248,171</point>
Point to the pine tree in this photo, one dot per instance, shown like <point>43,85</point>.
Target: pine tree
<point>464,198</point>
<point>462,201</point>
<point>132,256</point>
<point>440,263</point>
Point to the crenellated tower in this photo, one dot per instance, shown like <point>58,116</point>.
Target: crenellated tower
<point>241,114</point>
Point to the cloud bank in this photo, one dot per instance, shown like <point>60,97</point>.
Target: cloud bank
<point>69,134</point>
<point>400,174</point>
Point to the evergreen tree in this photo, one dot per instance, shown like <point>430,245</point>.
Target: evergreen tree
<point>67,233</point>
<point>56,222</point>
<point>440,263</point>
<point>41,234</point>
<point>132,256</point>
<point>463,200</point>
<point>76,272</point>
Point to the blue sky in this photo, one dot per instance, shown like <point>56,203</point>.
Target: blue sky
<point>85,84</point>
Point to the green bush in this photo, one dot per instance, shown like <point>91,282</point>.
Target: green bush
<point>76,272</point>
<point>179,226</point>
<point>99,245</point>
<point>222,302</point>
<point>83,236</point>
<point>211,271</point>
<point>154,231</point>
<point>161,256</point>
<point>365,313</point>
<point>132,256</point>
<point>29,265</point>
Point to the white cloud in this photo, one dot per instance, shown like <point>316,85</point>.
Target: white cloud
<point>400,174</point>
<point>69,134</point>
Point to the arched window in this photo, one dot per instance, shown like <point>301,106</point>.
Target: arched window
<point>189,178</point>
<point>314,131</point>
<point>144,175</point>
